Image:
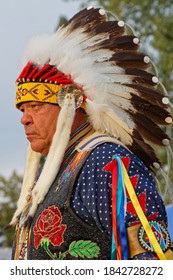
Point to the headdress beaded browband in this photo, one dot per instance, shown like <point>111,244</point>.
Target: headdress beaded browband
<point>94,60</point>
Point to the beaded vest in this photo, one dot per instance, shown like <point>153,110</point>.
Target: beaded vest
<point>56,232</point>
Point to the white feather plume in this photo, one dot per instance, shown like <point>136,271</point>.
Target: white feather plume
<point>105,120</point>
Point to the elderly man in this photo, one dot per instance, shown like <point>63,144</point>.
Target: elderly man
<point>90,109</point>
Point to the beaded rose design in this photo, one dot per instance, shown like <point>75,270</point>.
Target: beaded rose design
<point>50,230</point>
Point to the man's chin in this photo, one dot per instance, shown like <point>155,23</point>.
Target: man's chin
<point>39,149</point>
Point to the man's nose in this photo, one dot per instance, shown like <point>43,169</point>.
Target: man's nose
<point>26,118</point>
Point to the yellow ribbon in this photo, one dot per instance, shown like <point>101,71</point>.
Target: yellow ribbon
<point>142,216</point>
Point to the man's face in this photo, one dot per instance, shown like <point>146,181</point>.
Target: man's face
<point>39,120</point>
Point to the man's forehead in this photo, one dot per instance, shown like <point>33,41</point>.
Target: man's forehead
<point>28,104</point>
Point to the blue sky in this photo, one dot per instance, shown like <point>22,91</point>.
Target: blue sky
<point>20,20</point>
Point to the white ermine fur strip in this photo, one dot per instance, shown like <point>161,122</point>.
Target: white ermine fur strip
<point>32,163</point>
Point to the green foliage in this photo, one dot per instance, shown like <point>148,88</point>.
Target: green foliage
<point>9,193</point>
<point>84,249</point>
<point>81,248</point>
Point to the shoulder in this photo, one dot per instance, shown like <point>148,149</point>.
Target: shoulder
<point>103,154</point>
<point>141,177</point>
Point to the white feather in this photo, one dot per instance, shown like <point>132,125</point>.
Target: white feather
<point>38,50</point>
<point>105,120</point>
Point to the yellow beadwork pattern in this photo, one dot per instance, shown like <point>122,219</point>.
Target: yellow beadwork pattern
<point>41,92</point>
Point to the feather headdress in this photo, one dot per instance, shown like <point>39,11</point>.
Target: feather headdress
<point>98,56</point>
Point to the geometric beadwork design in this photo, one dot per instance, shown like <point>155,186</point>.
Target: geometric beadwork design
<point>160,233</point>
<point>43,92</point>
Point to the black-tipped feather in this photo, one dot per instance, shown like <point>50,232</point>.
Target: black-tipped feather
<point>149,94</point>
<point>149,130</point>
<point>119,43</point>
<point>129,59</point>
<point>85,18</point>
<point>155,113</point>
<point>145,152</point>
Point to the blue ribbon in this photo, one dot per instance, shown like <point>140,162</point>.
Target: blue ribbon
<point>120,214</point>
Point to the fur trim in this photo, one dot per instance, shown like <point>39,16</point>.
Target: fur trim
<point>32,163</point>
